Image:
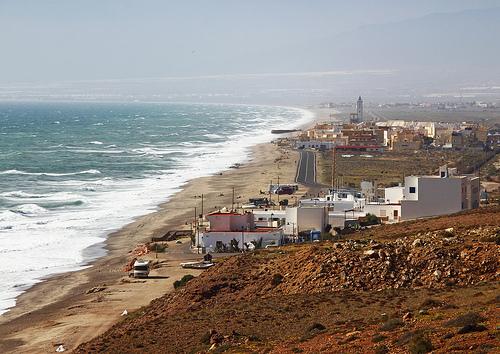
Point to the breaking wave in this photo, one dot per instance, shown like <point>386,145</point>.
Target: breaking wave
<point>17,172</point>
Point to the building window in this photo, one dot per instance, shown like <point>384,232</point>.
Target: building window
<point>413,189</point>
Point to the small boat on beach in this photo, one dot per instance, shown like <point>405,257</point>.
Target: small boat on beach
<point>197,265</point>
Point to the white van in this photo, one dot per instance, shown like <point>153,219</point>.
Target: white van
<point>141,269</point>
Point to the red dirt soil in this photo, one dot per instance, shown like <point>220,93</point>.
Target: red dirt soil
<point>389,289</point>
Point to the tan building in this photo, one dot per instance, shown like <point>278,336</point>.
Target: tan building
<point>363,137</point>
<point>443,135</point>
<point>457,141</point>
<point>406,140</point>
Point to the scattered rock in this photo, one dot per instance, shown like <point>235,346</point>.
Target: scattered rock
<point>95,289</point>
<point>407,316</point>
<point>316,327</point>
<point>371,253</point>
<point>352,334</point>
<point>417,243</point>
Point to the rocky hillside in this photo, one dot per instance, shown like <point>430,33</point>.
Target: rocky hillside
<point>368,291</point>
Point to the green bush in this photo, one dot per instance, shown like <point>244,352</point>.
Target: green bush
<point>391,325</point>
<point>420,344</point>
<point>430,303</point>
<point>277,279</point>
<point>372,219</point>
<point>183,281</point>
<point>470,318</point>
<point>381,349</point>
<point>472,328</point>
<point>378,338</point>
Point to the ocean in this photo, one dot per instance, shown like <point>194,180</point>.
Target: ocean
<point>72,172</point>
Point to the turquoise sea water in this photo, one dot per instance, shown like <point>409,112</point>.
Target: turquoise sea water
<point>70,173</point>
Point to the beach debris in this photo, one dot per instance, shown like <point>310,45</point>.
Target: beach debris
<point>60,349</point>
<point>124,313</point>
<point>95,289</point>
<point>130,265</point>
<point>139,250</point>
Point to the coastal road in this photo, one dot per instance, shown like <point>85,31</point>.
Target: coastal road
<point>306,168</point>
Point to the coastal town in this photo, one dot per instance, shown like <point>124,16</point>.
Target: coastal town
<point>315,231</point>
<point>344,182</point>
<point>306,210</point>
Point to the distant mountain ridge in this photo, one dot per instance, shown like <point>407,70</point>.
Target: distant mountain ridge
<point>459,40</point>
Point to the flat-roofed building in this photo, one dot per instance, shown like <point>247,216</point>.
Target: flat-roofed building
<point>425,196</point>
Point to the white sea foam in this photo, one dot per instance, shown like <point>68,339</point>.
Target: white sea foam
<point>21,194</point>
<point>213,136</point>
<point>17,172</point>
<point>29,209</point>
<point>89,151</point>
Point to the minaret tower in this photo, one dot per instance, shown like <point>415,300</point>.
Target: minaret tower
<point>359,109</point>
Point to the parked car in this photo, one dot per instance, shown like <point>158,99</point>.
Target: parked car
<point>285,190</point>
<point>259,201</point>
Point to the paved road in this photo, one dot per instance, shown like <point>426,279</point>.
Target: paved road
<point>306,168</point>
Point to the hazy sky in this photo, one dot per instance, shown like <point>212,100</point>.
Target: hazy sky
<point>43,40</point>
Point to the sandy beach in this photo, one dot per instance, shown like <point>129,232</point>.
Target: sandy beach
<point>72,308</point>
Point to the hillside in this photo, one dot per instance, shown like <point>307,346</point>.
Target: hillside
<point>406,287</point>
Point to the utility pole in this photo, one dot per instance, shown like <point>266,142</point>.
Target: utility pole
<point>196,233</point>
<point>202,205</point>
<point>270,193</point>
<point>334,166</point>
<point>232,203</point>
<point>278,190</point>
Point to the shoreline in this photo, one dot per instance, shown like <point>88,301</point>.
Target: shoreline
<point>156,191</point>
<point>44,316</point>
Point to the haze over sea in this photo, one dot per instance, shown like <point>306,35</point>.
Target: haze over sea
<point>70,173</point>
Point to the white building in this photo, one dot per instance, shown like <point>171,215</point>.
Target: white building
<point>338,200</point>
<point>227,227</point>
<point>385,211</point>
<point>425,196</point>
<point>340,218</point>
<point>302,218</point>
<point>269,217</point>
